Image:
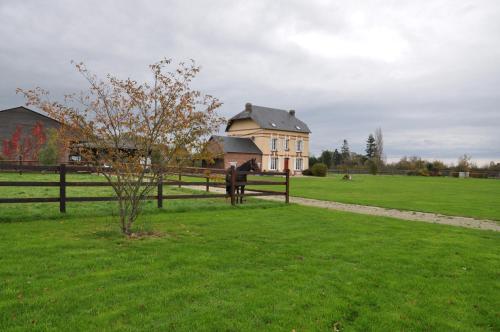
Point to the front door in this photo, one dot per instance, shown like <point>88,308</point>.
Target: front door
<point>286,163</point>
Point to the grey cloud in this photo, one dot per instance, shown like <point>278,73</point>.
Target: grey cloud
<point>428,73</point>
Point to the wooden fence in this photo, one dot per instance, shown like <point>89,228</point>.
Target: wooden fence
<point>192,172</point>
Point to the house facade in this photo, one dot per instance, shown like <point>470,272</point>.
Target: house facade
<point>279,134</point>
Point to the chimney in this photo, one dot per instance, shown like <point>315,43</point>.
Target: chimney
<point>292,112</point>
<point>248,107</point>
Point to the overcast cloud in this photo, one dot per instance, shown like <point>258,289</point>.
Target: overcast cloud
<point>427,72</point>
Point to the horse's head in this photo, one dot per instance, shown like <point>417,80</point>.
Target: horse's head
<point>254,166</point>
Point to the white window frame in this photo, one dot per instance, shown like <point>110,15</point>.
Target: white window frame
<point>300,145</point>
<point>233,163</point>
<point>273,163</point>
<point>274,144</point>
<point>286,144</point>
<point>299,164</point>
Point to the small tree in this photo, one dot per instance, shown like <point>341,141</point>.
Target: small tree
<point>49,153</point>
<point>120,122</point>
<point>312,160</point>
<point>326,158</point>
<point>379,144</point>
<point>464,163</point>
<point>345,152</point>
<point>370,147</point>
<point>336,158</point>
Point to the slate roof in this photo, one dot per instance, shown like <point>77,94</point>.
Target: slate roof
<point>271,118</point>
<point>237,144</point>
<point>21,108</point>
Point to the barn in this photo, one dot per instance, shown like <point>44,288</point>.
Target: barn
<point>23,120</point>
<point>230,151</point>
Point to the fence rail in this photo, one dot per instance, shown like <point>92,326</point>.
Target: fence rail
<point>205,173</point>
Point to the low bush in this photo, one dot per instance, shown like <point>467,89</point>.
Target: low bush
<point>307,172</point>
<point>319,169</point>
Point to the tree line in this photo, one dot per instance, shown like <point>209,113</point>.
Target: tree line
<point>373,158</point>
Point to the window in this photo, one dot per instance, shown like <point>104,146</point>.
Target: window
<point>274,144</point>
<point>273,164</point>
<point>286,145</point>
<point>298,164</point>
<point>298,128</point>
<point>233,163</point>
<point>300,145</point>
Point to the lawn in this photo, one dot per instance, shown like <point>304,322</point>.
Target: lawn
<point>479,198</point>
<point>261,266</point>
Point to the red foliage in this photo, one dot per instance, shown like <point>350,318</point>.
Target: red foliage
<point>24,146</point>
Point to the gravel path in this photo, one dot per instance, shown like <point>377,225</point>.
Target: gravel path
<point>384,212</point>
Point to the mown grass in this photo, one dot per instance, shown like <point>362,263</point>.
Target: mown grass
<point>479,198</point>
<point>260,266</point>
<point>276,268</point>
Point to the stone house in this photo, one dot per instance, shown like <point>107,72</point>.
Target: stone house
<point>279,134</point>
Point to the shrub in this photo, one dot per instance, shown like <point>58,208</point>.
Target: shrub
<point>319,169</point>
<point>49,153</point>
<point>307,172</point>
<point>423,172</point>
<point>373,167</point>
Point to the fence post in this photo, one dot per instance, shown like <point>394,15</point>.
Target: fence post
<point>62,188</point>
<point>233,185</point>
<point>287,177</point>
<point>180,176</point>
<point>20,164</point>
<point>160,190</point>
<point>208,184</point>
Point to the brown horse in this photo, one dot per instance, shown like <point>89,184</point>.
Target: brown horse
<point>248,166</point>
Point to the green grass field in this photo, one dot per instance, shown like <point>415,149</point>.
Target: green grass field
<point>260,266</point>
<point>479,198</point>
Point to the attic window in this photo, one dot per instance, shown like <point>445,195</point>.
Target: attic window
<point>273,124</point>
<point>298,128</point>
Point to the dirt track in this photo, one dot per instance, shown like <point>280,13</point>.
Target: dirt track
<point>393,213</point>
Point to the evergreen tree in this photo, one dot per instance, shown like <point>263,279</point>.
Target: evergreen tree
<point>371,147</point>
<point>345,152</point>
<point>337,158</point>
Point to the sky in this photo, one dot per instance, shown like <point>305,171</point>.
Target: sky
<point>426,72</point>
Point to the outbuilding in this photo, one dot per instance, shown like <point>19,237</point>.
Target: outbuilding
<point>230,151</point>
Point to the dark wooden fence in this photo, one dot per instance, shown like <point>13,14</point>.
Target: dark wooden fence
<point>192,172</point>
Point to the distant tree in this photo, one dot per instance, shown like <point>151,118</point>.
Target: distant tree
<point>494,166</point>
<point>379,144</point>
<point>326,158</point>
<point>312,160</point>
<point>345,152</point>
<point>464,163</point>
<point>371,147</point>
<point>336,158</point>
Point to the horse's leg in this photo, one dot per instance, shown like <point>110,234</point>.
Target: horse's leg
<point>242,193</point>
